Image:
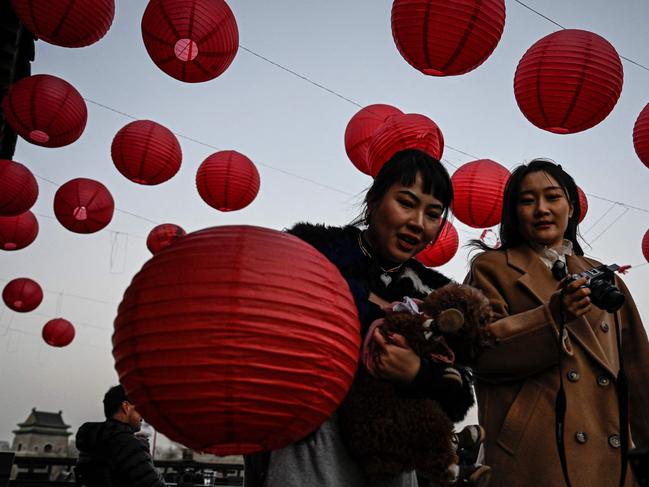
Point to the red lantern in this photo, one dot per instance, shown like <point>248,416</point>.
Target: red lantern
<point>645,245</point>
<point>361,128</point>
<point>442,38</point>
<point>641,135</point>
<point>83,205</point>
<point>400,132</point>
<point>583,204</point>
<point>443,250</point>
<point>17,232</point>
<point>478,188</point>
<point>260,340</point>
<point>163,236</point>
<point>66,23</point>
<point>45,110</point>
<point>227,180</point>
<point>569,81</point>
<point>22,295</point>
<point>18,188</point>
<point>190,40</point>
<point>146,152</point>
<point>58,332</point>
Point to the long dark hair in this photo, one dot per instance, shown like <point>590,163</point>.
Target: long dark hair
<point>510,234</point>
<point>403,168</point>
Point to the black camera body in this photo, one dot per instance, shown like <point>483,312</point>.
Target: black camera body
<point>603,292</point>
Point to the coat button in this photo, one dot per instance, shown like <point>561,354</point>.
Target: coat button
<point>573,375</point>
<point>603,381</point>
<point>614,441</point>
<point>604,326</point>
<point>582,438</point>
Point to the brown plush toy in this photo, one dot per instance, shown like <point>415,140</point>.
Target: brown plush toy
<point>389,431</point>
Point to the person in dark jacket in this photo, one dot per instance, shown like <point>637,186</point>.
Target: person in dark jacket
<point>110,455</point>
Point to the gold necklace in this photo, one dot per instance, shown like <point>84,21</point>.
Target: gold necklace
<point>367,254</point>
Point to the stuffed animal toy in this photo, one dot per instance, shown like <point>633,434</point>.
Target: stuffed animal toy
<point>389,431</point>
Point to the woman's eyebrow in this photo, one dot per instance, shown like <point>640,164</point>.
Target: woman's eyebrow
<point>418,199</point>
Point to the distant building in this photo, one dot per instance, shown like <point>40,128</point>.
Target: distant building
<point>4,446</point>
<point>42,434</point>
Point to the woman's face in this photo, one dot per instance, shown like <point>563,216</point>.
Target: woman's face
<point>404,222</point>
<point>543,209</point>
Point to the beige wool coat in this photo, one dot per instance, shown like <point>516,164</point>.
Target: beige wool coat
<point>518,378</point>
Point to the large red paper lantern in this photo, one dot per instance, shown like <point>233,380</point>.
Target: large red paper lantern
<point>361,128</point>
<point>444,248</point>
<point>22,294</point>
<point>45,110</point>
<point>645,245</point>
<point>58,332</point>
<point>641,135</point>
<point>478,189</point>
<point>443,38</point>
<point>190,40</point>
<point>66,23</point>
<point>237,339</point>
<point>146,152</point>
<point>569,81</point>
<point>400,132</point>
<point>583,204</point>
<point>17,232</point>
<point>83,205</point>
<point>18,188</point>
<point>227,180</point>
<point>162,236</point>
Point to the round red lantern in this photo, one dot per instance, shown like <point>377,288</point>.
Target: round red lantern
<point>18,188</point>
<point>442,38</point>
<point>190,40</point>
<point>58,332</point>
<point>583,204</point>
<point>146,152</point>
<point>400,132</point>
<point>22,295</point>
<point>83,205</point>
<point>569,81</point>
<point>641,135</point>
<point>645,245</point>
<point>260,340</point>
<point>17,232</point>
<point>444,248</point>
<point>45,110</point>
<point>66,23</point>
<point>478,188</point>
<point>361,128</point>
<point>227,180</point>
<point>163,236</point>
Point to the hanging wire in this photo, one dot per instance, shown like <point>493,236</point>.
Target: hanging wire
<point>600,218</point>
<point>610,225</point>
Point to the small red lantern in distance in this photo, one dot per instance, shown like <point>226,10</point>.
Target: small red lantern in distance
<point>83,205</point>
<point>146,152</point>
<point>442,38</point>
<point>22,295</point>
<point>583,204</point>
<point>163,236</point>
<point>569,81</point>
<point>443,250</point>
<point>64,23</point>
<point>478,189</point>
<point>190,40</point>
<point>18,188</point>
<point>58,332</point>
<point>641,136</point>
<point>227,181</point>
<point>259,362</point>
<point>361,128</point>
<point>45,110</point>
<point>645,245</point>
<point>400,132</point>
<point>17,232</point>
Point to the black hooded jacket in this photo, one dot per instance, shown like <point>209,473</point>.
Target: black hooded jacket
<point>111,456</point>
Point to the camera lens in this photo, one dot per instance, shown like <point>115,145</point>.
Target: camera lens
<point>606,296</point>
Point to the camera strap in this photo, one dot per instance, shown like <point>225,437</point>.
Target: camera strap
<point>622,389</point>
<point>561,403</point>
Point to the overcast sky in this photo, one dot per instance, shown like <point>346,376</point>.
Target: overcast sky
<point>293,131</point>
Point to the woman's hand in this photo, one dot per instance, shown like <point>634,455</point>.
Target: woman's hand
<point>396,361</point>
<point>576,300</point>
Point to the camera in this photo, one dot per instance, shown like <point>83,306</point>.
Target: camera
<point>603,293</point>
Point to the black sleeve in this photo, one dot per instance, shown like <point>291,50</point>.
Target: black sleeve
<point>132,463</point>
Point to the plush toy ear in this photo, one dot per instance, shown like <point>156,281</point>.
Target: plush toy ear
<point>450,320</point>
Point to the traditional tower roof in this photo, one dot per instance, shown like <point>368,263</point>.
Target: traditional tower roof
<point>43,423</point>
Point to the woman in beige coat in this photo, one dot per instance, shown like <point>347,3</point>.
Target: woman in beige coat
<point>519,376</point>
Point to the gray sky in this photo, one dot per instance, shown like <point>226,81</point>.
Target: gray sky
<point>286,125</point>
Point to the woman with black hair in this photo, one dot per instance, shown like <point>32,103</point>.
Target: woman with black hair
<point>405,209</point>
<point>550,342</point>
